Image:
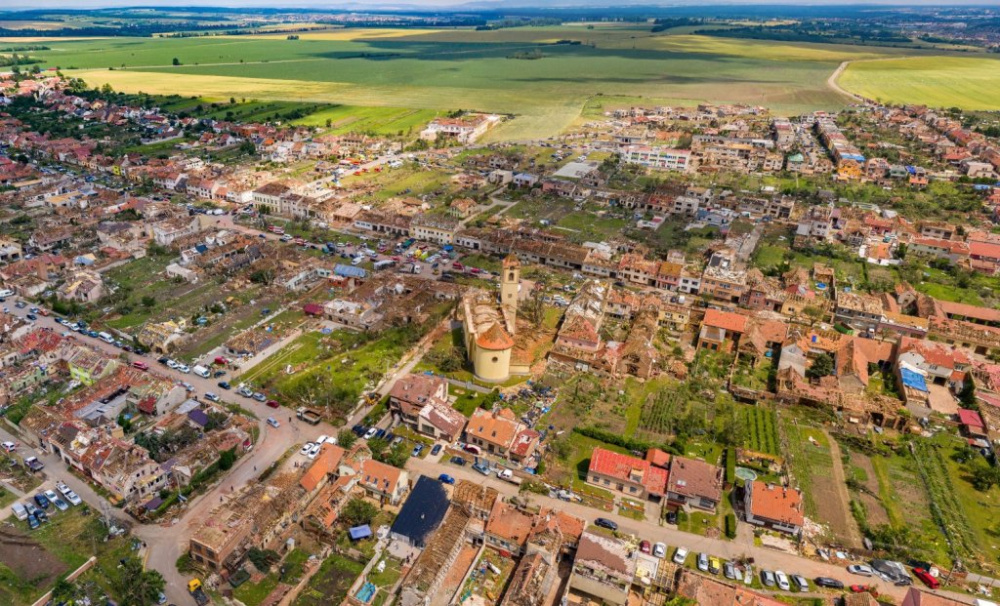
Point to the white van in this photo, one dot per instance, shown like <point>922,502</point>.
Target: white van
<point>201,371</point>
<point>19,511</point>
<point>106,337</point>
<point>6,293</point>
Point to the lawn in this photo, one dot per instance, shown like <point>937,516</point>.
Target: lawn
<point>971,83</point>
<point>331,582</point>
<point>433,71</point>
<point>252,594</point>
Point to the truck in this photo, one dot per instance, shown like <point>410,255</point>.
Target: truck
<point>308,415</point>
<point>508,476</point>
<point>194,588</point>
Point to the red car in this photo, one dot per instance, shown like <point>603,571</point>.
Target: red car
<point>273,404</point>
<point>859,588</point>
<point>221,360</point>
<point>645,547</point>
<point>926,578</point>
<point>140,365</point>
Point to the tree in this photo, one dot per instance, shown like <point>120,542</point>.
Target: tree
<point>226,459</point>
<point>135,586</point>
<point>982,474</point>
<point>346,438</point>
<point>358,511</point>
<point>822,366</point>
<point>176,61</point>
<point>968,395</point>
<point>148,301</point>
<point>815,314</point>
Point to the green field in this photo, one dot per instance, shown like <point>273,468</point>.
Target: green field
<point>971,83</point>
<point>429,71</point>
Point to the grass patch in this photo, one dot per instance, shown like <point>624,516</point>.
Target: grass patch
<point>971,83</point>
<point>331,582</point>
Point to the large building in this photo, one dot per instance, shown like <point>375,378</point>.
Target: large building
<point>489,327</point>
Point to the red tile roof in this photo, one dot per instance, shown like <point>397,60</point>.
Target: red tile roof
<point>495,338</point>
<point>971,418</point>
<point>776,503</point>
<point>725,320</point>
<point>620,466</point>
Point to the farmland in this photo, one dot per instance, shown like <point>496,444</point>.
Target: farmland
<point>971,83</point>
<point>421,72</point>
<point>761,430</point>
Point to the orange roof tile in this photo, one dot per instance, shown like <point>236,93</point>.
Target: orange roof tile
<point>775,503</point>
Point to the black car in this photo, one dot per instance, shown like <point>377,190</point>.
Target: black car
<point>458,461</point>
<point>224,384</point>
<point>31,317</point>
<point>163,360</point>
<point>606,523</point>
<point>828,582</point>
<point>359,430</point>
<point>42,501</point>
<point>219,373</point>
<point>436,449</point>
<point>671,517</point>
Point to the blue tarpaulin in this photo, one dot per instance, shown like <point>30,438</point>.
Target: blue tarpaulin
<point>913,380</point>
<point>360,532</point>
<point>349,271</point>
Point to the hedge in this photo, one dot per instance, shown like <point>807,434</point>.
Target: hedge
<point>619,440</point>
<point>731,525</point>
<point>730,465</point>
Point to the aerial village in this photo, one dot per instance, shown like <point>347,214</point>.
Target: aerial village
<point>703,355</point>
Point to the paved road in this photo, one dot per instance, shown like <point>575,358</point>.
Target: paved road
<point>763,557</point>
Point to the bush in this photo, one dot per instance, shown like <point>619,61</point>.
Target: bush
<point>263,559</point>
<point>730,465</point>
<point>731,526</point>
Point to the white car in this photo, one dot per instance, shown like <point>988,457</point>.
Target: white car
<point>306,448</point>
<point>680,555</point>
<point>55,500</point>
<point>371,433</point>
<point>172,365</point>
<point>861,570</point>
<point>782,579</point>
<point>8,446</point>
<point>69,494</point>
<point>314,451</point>
<point>323,439</point>
<point>702,562</point>
<point>211,396</point>
<point>660,550</point>
<point>273,422</point>
<point>183,368</point>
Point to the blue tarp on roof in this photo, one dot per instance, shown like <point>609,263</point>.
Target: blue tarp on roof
<point>913,380</point>
<point>360,532</point>
<point>199,417</point>
<point>201,248</point>
<point>349,271</point>
<point>911,169</point>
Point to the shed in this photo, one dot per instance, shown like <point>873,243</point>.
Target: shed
<point>312,309</point>
<point>349,271</point>
<point>360,532</point>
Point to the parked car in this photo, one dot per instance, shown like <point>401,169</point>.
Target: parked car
<point>680,555</point>
<point>767,578</point>
<point>69,494</point>
<point>273,404</point>
<point>140,365</point>
<point>259,396</point>
<point>801,584</point>
<point>714,565</point>
<point>446,479</point>
<point>926,578</point>
<point>8,446</point>
<point>42,516</point>
<point>456,460</point>
<point>828,583</point>
<point>861,570</point>
<point>729,570</point>
<point>782,579</point>
<point>211,396</point>
<point>55,500</point>
<point>435,450</point>
<point>314,450</point>
<point>672,517</point>
<point>184,368</point>
<point>645,547</point>
<point>702,562</point>
<point>224,385</point>
<point>42,500</point>
<point>371,433</point>
<point>660,550</point>
<point>419,448</point>
<point>481,468</point>
<point>33,522</point>
<point>606,523</point>
<point>34,464</point>
<point>273,422</point>
<point>858,588</point>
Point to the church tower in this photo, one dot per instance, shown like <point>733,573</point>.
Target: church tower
<point>510,281</point>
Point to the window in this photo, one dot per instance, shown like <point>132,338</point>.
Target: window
<point>495,359</point>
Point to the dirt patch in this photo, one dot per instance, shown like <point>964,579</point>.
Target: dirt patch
<point>874,510</point>
<point>455,575</point>
<point>27,559</point>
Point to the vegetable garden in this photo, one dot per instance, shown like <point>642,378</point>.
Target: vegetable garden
<point>761,430</point>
